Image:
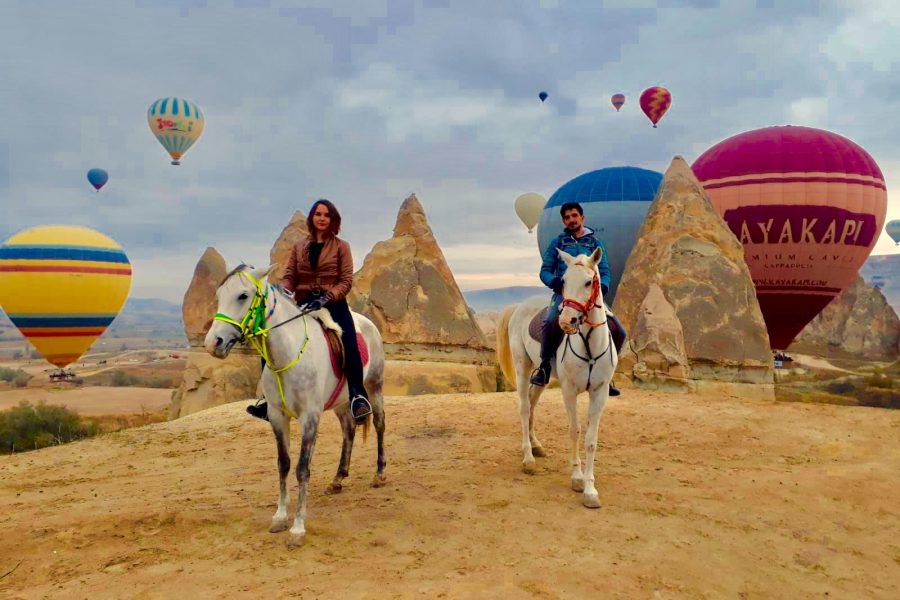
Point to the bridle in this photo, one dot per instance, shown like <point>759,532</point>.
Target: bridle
<point>584,309</point>
<point>253,329</point>
<point>588,306</point>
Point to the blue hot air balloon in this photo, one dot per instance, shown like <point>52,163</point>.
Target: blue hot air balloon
<point>543,96</point>
<point>893,230</point>
<point>97,178</point>
<point>615,202</point>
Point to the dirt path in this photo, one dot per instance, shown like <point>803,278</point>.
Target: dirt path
<point>703,498</point>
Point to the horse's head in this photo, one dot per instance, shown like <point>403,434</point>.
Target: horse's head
<point>239,294</point>
<point>581,289</point>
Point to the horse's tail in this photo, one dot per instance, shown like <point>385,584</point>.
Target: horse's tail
<point>504,353</point>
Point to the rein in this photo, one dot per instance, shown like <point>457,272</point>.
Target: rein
<point>253,329</point>
<point>584,309</point>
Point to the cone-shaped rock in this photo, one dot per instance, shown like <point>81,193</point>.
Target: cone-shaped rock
<point>199,305</point>
<point>281,251</point>
<point>859,323</point>
<point>687,251</point>
<point>407,289</point>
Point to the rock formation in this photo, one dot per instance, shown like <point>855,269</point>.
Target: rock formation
<point>407,289</point>
<point>209,381</point>
<point>199,305</point>
<point>487,321</point>
<point>858,323</point>
<point>686,295</point>
<point>295,230</point>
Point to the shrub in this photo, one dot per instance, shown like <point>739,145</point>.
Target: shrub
<point>27,427</point>
<point>12,375</point>
<point>840,387</point>
<point>121,379</point>
<point>21,379</point>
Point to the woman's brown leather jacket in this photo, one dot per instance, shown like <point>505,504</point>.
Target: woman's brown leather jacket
<point>333,276</point>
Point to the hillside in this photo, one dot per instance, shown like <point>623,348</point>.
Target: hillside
<point>703,497</point>
<point>497,298</point>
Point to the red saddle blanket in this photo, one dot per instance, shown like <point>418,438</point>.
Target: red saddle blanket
<point>335,350</point>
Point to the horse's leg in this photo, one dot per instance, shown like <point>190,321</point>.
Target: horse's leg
<point>536,448</point>
<point>307,445</point>
<point>570,397</point>
<point>528,395</point>
<point>348,428</point>
<point>595,411</point>
<point>378,418</point>
<point>281,427</point>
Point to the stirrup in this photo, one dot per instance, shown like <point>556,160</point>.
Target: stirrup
<point>540,376</point>
<point>360,408</point>
<point>260,410</point>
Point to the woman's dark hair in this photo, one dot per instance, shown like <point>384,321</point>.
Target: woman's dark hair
<point>569,206</point>
<point>334,228</point>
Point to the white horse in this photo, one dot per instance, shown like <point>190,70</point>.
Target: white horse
<point>298,379</point>
<point>585,360</point>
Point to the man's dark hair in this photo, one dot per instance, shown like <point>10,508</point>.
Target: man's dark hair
<point>569,206</point>
<point>334,227</point>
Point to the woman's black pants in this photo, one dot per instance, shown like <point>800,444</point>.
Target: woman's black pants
<point>353,368</point>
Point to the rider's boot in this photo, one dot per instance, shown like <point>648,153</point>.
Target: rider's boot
<point>551,336</point>
<point>618,337</point>
<point>260,410</point>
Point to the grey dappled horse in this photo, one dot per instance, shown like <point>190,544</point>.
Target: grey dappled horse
<point>297,353</point>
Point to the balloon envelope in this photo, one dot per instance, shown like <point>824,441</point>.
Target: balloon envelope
<point>615,201</point>
<point>618,100</point>
<point>529,207</point>
<point>177,124</point>
<point>807,205</point>
<point>877,281</point>
<point>655,101</point>
<point>543,96</point>
<point>62,286</point>
<point>893,230</point>
<point>97,178</point>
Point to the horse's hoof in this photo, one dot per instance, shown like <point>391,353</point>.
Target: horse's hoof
<point>278,526</point>
<point>529,468</point>
<point>591,500</point>
<point>578,484</point>
<point>538,451</point>
<point>334,488</point>
<point>295,540</point>
<point>379,480</point>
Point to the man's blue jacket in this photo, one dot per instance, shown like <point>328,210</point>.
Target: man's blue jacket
<point>553,266</point>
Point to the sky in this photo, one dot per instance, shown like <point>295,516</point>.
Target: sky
<point>364,102</point>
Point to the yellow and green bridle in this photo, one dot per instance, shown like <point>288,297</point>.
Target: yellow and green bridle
<point>253,329</point>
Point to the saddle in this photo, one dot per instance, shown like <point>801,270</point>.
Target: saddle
<point>537,324</point>
<point>336,352</point>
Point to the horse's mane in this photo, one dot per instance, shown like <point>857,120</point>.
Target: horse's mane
<point>237,269</point>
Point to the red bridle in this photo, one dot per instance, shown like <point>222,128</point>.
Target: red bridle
<point>591,303</point>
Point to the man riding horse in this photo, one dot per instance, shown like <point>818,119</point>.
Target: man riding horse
<point>576,239</point>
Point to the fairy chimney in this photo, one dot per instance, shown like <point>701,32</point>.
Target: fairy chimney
<point>409,292</point>
<point>687,266</point>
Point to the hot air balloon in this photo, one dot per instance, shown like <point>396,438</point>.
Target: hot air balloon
<point>877,281</point>
<point>529,207</point>
<point>543,96</point>
<point>177,124</point>
<point>62,286</point>
<point>893,230</point>
<point>807,205</point>
<point>615,201</point>
<point>618,100</point>
<point>97,178</point>
<point>655,101</point>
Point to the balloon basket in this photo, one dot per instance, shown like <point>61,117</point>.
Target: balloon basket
<point>176,163</point>
<point>654,127</point>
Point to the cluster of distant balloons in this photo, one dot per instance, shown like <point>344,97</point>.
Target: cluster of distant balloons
<point>654,101</point>
<point>63,285</point>
<point>806,204</point>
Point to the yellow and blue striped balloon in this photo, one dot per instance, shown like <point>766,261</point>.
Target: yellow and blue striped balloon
<point>177,124</point>
<point>62,286</point>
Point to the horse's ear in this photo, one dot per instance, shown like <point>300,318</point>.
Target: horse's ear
<point>262,273</point>
<point>567,258</point>
<point>596,255</point>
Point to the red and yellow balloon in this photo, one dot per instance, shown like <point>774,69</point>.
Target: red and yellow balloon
<point>655,101</point>
<point>808,206</point>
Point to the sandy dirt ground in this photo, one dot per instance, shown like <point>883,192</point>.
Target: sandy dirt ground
<point>92,401</point>
<point>703,497</point>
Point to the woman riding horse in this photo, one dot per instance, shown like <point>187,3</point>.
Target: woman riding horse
<point>320,274</point>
